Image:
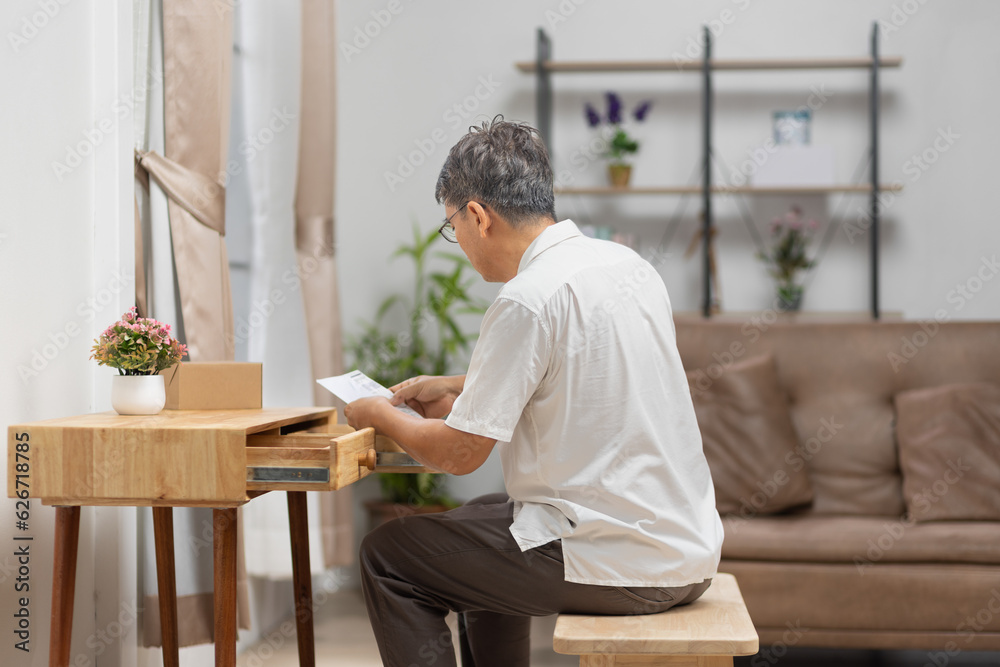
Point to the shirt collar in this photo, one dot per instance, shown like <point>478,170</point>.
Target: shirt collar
<point>550,236</point>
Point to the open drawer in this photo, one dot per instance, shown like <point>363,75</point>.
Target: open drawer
<point>319,461</point>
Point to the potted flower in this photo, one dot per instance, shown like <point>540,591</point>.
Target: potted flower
<point>620,146</point>
<point>139,347</point>
<point>787,256</point>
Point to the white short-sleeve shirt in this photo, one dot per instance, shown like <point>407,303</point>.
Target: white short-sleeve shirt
<point>576,374</point>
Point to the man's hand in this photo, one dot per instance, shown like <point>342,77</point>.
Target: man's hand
<point>431,396</point>
<point>364,412</point>
<point>430,441</point>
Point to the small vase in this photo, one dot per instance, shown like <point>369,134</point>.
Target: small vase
<point>138,394</point>
<point>619,175</point>
<point>789,298</point>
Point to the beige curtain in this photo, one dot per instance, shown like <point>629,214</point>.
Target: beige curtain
<point>197,44</point>
<point>314,233</point>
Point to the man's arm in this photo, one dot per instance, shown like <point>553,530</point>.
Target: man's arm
<point>429,441</point>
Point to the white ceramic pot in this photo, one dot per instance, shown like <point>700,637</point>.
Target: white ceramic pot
<point>137,394</point>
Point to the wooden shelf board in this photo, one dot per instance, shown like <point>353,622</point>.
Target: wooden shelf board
<point>759,64</point>
<point>723,189</point>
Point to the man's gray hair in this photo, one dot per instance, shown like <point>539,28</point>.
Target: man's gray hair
<point>503,165</point>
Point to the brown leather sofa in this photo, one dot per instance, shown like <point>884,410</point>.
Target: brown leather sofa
<point>852,570</point>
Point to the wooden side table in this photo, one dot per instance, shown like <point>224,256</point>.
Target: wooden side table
<point>186,458</point>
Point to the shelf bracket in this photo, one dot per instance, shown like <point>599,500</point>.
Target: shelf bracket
<point>874,201</point>
<point>543,97</point>
<point>706,194</point>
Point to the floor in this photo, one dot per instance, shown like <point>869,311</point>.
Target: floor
<point>344,639</point>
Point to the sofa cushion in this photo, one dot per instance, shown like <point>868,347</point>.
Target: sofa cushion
<point>895,597</point>
<point>862,542</point>
<point>949,451</point>
<point>749,439</point>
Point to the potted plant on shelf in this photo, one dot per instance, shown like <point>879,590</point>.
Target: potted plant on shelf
<point>787,256</point>
<point>139,347</point>
<point>393,354</point>
<point>621,146</point>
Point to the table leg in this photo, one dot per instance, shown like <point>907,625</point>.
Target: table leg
<point>224,556</point>
<point>63,584</point>
<point>166,581</point>
<point>298,524</point>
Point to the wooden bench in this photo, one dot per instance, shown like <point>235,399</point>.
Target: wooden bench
<point>706,633</point>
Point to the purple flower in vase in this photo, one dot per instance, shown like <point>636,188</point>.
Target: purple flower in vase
<point>593,118</point>
<point>641,110</point>
<point>614,108</point>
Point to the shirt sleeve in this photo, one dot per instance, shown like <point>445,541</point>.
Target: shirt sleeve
<point>507,367</point>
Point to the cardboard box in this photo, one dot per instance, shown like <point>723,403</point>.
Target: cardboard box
<point>213,385</point>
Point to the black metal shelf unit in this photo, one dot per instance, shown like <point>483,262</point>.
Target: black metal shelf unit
<point>543,67</point>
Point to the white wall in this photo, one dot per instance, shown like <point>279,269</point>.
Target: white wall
<point>403,83</point>
<point>65,263</point>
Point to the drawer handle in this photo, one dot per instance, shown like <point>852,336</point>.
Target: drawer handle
<point>368,459</point>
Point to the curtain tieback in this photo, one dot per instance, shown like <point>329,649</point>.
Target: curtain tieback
<point>197,194</point>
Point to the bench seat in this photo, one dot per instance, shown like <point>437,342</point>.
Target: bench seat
<point>706,633</point>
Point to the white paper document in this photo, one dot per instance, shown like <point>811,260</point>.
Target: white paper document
<point>349,387</point>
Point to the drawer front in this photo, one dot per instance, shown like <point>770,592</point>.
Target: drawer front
<point>308,461</point>
<point>317,461</point>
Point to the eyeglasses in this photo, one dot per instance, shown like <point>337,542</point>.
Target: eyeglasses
<point>447,230</point>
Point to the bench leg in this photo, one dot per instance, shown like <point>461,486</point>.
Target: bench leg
<point>672,660</point>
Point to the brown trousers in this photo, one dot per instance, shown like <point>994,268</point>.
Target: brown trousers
<point>416,569</point>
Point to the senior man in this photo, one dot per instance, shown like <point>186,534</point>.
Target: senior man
<point>577,380</point>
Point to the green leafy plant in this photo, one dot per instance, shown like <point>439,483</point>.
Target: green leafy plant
<point>137,346</point>
<point>390,356</point>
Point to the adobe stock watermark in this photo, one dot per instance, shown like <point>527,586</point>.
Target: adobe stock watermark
<point>772,654</point>
<point>584,155</point>
<point>103,638</point>
<point>915,167</point>
<point>968,629</point>
<point>43,354</point>
<point>121,110</point>
<point>30,25</point>
<point>363,35</point>
<point>795,460</point>
<point>563,11</point>
<point>958,297</point>
<point>266,647</point>
<point>695,46</point>
<point>458,113</point>
<point>899,16</point>
<point>253,144</point>
<point>752,329</point>
<point>893,531</point>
